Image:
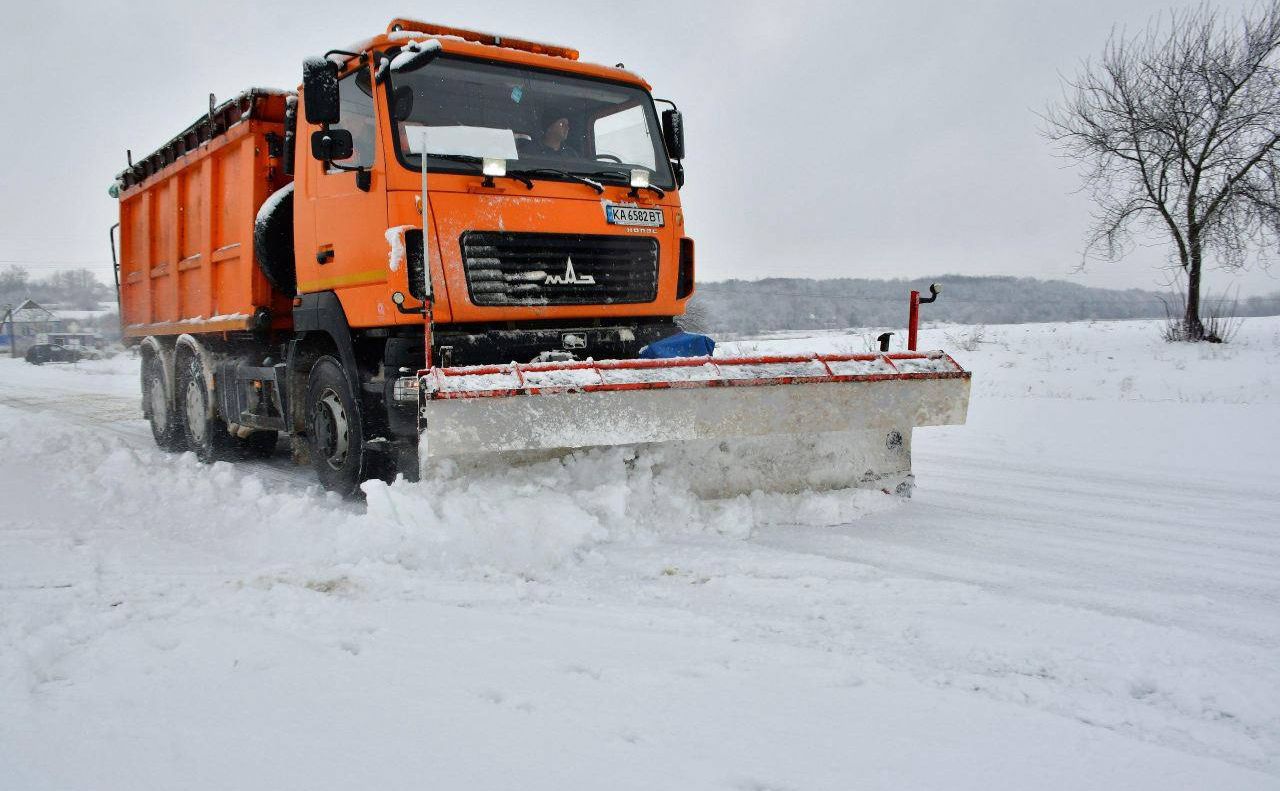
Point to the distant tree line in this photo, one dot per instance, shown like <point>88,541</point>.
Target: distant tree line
<point>753,306</point>
<point>744,307</point>
<point>71,289</point>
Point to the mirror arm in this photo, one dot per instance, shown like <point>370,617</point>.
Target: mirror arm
<point>364,176</point>
<point>364,58</point>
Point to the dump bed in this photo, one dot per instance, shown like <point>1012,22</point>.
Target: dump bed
<point>186,223</point>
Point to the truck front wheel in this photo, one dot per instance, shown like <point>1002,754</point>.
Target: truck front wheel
<point>334,429</point>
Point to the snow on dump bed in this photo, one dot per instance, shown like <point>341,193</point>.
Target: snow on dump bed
<point>573,375</point>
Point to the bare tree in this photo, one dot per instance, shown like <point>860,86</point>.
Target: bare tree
<point>1178,129</point>
<point>79,287</point>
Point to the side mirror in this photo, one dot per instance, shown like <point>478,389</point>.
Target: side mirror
<point>673,133</point>
<point>402,103</point>
<point>320,90</point>
<point>678,169</point>
<point>415,55</point>
<point>328,145</point>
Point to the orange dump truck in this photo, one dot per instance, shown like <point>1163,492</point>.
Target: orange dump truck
<point>273,269</point>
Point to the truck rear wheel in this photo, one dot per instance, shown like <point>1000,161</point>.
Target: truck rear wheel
<point>165,426</point>
<point>206,434</point>
<point>334,428</point>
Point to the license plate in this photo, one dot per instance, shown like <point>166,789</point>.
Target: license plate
<point>632,215</point>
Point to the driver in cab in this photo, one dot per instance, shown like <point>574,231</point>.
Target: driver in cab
<point>553,141</point>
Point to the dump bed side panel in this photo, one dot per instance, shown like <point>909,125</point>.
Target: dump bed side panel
<point>186,235</point>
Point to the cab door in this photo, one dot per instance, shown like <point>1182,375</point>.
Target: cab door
<point>348,254</point>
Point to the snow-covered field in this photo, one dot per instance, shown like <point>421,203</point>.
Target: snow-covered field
<point>1084,593</point>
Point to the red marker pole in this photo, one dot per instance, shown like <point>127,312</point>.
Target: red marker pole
<point>913,322</point>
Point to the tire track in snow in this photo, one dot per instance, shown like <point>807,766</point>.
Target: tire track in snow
<point>1091,485</point>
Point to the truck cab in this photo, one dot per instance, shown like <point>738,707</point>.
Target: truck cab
<point>553,215</point>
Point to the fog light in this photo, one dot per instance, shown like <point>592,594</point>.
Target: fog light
<point>493,167</point>
<point>639,179</point>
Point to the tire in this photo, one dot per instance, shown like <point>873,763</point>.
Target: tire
<point>258,445</point>
<point>273,240</point>
<point>166,425</point>
<point>334,430</point>
<point>206,435</point>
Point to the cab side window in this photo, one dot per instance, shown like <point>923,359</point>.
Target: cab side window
<point>355,95</point>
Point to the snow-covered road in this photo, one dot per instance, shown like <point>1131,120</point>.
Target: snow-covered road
<point>1084,593</point>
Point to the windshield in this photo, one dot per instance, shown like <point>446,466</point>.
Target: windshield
<point>536,119</point>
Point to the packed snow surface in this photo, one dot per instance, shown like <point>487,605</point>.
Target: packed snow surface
<point>1083,593</point>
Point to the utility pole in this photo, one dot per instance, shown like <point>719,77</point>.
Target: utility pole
<point>13,331</point>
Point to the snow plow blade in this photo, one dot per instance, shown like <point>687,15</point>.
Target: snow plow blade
<point>816,421</point>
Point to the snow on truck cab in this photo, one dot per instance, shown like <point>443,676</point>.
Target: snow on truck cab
<point>275,272</point>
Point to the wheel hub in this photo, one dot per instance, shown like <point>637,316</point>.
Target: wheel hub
<point>196,417</point>
<point>332,429</point>
<point>159,404</point>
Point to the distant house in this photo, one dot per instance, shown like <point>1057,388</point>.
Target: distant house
<point>80,320</point>
<point>28,322</point>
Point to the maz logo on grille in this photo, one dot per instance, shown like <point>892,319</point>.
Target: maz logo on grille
<point>569,278</point>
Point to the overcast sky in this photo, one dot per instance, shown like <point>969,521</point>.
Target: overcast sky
<point>826,139</point>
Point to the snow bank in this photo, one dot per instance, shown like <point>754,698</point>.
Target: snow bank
<point>543,514</point>
<point>520,520</point>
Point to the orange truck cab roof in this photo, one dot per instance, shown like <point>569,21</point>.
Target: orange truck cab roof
<point>461,41</point>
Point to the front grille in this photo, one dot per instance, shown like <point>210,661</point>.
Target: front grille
<point>413,257</point>
<point>534,269</point>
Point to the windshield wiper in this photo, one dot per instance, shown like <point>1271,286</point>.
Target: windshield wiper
<point>468,158</point>
<point>578,177</point>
